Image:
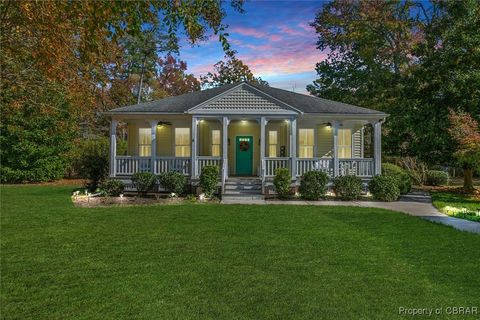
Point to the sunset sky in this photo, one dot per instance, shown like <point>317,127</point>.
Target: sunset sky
<point>272,37</point>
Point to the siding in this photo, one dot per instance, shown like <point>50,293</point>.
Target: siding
<point>324,141</point>
<point>165,141</point>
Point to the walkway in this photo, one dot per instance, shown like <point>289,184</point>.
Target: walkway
<point>418,205</point>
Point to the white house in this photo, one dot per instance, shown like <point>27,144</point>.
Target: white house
<point>248,130</point>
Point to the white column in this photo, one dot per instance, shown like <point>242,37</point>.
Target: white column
<point>194,146</point>
<point>293,147</point>
<point>113,147</point>
<point>153,126</point>
<point>377,128</point>
<point>263,139</point>
<point>225,122</point>
<point>335,149</point>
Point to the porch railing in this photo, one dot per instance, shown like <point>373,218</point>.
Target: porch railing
<point>165,164</point>
<point>272,164</point>
<point>356,167</point>
<point>314,164</point>
<point>128,165</point>
<point>208,161</point>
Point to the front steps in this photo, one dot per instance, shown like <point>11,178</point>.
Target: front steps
<point>243,188</point>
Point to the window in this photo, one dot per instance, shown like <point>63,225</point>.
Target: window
<point>182,142</point>
<point>306,143</point>
<point>272,143</point>
<point>215,143</point>
<point>144,142</point>
<point>344,143</point>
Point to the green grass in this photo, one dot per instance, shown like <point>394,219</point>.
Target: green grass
<point>225,262</point>
<point>445,201</point>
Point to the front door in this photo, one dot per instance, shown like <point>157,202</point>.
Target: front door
<point>244,155</point>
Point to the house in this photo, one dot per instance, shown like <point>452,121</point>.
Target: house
<point>247,130</point>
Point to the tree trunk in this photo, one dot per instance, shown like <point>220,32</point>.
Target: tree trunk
<point>468,179</point>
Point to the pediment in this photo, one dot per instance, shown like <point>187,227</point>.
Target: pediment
<point>243,99</point>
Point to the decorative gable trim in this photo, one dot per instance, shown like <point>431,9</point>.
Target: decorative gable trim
<point>243,99</point>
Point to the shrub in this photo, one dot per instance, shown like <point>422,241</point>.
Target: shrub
<point>437,178</point>
<point>92,161</point>
<point>384,188</point>
<point>313,185</point>
<point>402,178</point>
<point>112,187</point>
<point>173,181</point>
<point>209,179</point>
<point>144,182</point>
<point>414,168</point>
<point>347,187</point>
<point>282,182</point>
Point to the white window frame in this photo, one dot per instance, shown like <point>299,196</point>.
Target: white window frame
<point>216,146</point>
<point>176,144</point>
<point>304,147</point>
<point>146,146</point>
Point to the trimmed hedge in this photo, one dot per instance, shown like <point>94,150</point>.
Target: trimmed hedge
<point>384,188</point>
<point>209,179</point>
<point>282,182</point>
<point>437,178</point>
<point>347,187</point>
<point>173,182</point>
<point>112,187</point>
<point>313,185</point>
<point>402,178</point>
<point>144,182</point>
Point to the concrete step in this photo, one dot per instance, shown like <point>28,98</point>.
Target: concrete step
<point>416,196</point>
<point>243,187</point>
<point>230,191</point>
<point>242,197</point>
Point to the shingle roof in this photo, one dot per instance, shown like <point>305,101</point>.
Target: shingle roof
<point>304,103</point>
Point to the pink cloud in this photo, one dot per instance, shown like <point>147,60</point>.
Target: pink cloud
<point>249,32</point>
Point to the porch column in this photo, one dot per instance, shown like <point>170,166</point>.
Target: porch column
<point>194,146</point>
<point>113,147</point>
<point>225,122</point>
<point>263,139</point>
<point>377,148</point>
<point>336,168</point>
<point>293,147</point>
<point>153,126</point>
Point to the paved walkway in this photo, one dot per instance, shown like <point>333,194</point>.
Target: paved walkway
<point>420,207</point>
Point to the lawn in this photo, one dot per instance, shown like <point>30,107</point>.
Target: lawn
<point>448,203</point>
<point>225,262</point>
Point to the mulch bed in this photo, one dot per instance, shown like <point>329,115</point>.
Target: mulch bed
<point>93,202</point>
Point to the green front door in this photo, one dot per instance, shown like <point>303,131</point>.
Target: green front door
<point>244,155</point>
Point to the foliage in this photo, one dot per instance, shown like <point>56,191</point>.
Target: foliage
<point>313,185</point>
<point>407,58</point>
<point>466,133</point>
<point>457,205</point>
<point>348,187</point>
<point>36,132</point>
<point>209,179</point>
<point>282,181</point>
<point>417,170</point>
<point>144,182</point>
<point>173,181</point>
<point>92,164</point>
<point>112,187</point>
<point>402,178</point>
<point>230,71</point>
<point>384,188</point>
<point>437,178</point>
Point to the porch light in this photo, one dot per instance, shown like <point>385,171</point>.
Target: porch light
<point>243,121</point>
<point>329,125</point>
<point>287,121</point>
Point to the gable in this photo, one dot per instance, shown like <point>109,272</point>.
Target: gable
<point>243,99</point>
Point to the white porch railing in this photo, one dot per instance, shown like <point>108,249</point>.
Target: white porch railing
<point>272,164</point>
<point>203,161</point>
<point>356,167</point>
<point>165,164</point>
<point>128,165</point>
<point>314,164</point>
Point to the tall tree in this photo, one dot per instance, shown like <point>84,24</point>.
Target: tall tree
<point>230,71</point>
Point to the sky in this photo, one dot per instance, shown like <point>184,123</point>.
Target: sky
<point>272,37</point>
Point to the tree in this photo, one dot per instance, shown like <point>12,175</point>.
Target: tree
<point>465,131</point>
<point>230,71</point>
